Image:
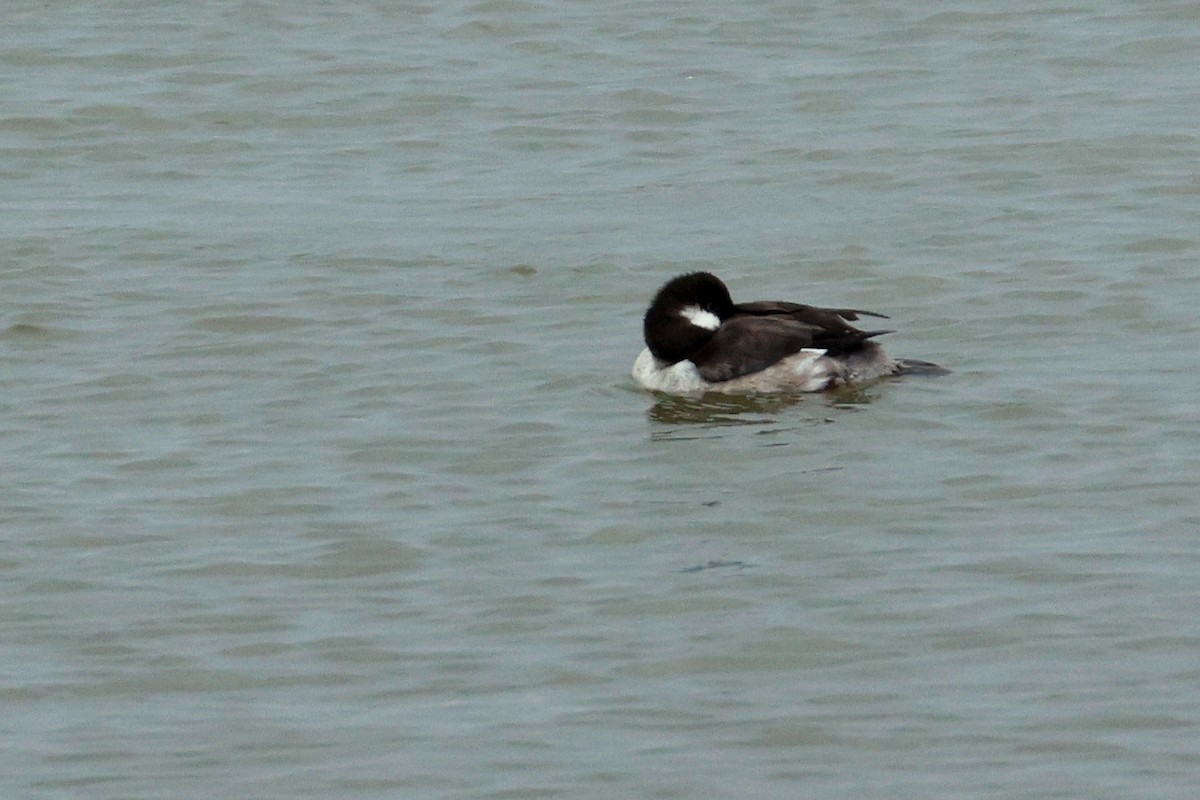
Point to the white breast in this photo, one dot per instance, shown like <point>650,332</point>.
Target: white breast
<point>678,378</point>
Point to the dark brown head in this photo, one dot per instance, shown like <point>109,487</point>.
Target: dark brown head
<point>684,314</point>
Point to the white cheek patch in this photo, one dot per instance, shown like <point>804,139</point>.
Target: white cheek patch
<point>701,318</point>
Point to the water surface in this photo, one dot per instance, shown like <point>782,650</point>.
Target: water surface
<point>326,477</point>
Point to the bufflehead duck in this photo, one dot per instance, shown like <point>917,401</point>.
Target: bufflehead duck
<point>698,340</point>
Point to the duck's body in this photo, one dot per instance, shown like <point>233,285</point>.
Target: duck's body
<point>698,340</point>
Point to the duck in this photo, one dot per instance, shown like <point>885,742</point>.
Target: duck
<point>698,340</point>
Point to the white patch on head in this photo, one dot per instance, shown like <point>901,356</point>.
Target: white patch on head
<point>700,318</point>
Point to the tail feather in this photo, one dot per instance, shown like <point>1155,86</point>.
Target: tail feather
<point>853,314</point>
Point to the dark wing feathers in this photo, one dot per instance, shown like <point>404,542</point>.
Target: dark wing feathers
<point>747,344</point>
<point>830,330</point>
<point>828,317</point>
<point>760,334</point>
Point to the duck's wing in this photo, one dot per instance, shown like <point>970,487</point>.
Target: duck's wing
<point>830,330</point>
<point>825,317</point>
<point>749,343</point>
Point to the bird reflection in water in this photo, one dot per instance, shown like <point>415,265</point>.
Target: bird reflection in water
<point>717,409</point>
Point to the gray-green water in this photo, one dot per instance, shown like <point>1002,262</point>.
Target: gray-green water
<point>324,476</point>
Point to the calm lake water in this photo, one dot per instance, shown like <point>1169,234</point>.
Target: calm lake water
<point>325,476</point>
